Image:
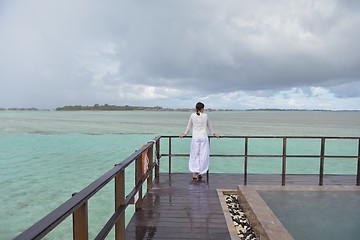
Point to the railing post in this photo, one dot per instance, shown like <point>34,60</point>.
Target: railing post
<point>138,176</point>
<point>283,174</point>
<point>120,200</point>
<point>157,166</point>
<point>150,155</point>
<point>207,172</point>
<point>245,161</point>
<point>322,153</point>
<point>358,166</point>
<point>80,222</point>
<point>169,155</point>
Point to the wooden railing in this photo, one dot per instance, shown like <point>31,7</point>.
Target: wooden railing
<point>77,205</point>
<point>321,156</point>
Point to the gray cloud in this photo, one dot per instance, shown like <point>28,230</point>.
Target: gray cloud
<point>81,52</point>
<point>273,46</point>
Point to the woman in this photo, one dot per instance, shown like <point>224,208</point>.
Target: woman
<point>200,148</point>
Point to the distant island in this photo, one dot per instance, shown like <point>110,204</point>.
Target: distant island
<point>19,109</point>
<point>106,107</point>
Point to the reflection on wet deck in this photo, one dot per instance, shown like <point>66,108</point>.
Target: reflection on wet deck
<point>180,208</point>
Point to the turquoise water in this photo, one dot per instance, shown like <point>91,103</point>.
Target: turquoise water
<point>46,156</point>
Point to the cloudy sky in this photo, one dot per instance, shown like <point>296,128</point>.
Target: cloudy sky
<point>235,54</point>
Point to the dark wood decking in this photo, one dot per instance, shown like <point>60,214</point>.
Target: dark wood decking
<point>180,208</point>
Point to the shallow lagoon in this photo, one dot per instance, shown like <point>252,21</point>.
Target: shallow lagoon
<point>46,155</point>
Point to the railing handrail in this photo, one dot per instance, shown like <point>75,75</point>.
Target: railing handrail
<point>270,136</point>
<point>264,155</point>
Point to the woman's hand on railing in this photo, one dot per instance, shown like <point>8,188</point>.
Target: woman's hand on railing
<point>216,135</point>
<point>182,135</point>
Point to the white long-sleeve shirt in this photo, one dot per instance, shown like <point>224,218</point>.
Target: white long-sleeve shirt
<point>199,125</point>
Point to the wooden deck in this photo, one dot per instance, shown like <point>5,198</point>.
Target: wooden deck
<point>180,208</point>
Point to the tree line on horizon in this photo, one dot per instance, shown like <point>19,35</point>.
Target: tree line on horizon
<point>105,107</point>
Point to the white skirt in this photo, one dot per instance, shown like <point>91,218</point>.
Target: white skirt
<point>199,154</point>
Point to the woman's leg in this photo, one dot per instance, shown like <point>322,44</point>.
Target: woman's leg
<point>194,164</point>
<point>204,152</point>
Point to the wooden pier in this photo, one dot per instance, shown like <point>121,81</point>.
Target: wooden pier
<point>181,208</point>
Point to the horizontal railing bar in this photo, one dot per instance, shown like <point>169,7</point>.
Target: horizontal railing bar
<point>280,137</point>
<point>133,192</point>
<point>259,155</point>
<point>109,225</point>
<point>50,221</point>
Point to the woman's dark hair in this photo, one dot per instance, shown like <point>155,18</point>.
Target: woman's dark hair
<point>199,106</point>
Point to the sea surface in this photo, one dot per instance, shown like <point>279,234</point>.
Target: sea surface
<point>45,156</point>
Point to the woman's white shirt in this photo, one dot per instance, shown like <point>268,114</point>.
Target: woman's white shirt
<point>199,125</point>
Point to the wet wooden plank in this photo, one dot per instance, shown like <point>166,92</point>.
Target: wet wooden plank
<point>180,208</point>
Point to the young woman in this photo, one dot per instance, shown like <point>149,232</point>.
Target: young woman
<point>200,148</point>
